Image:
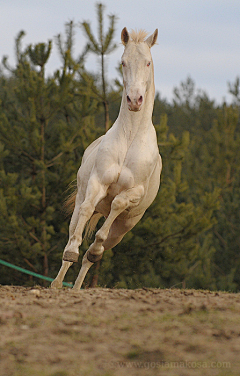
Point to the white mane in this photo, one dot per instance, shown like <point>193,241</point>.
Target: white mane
<point>138,36</point>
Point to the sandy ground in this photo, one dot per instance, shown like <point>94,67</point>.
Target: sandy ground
<point>108,332</point>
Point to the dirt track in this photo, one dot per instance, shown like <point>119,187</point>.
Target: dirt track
<point>109,332</point>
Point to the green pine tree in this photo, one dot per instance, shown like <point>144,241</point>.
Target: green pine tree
<point>102,46</point>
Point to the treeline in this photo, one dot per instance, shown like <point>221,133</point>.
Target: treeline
<point>189,237</point>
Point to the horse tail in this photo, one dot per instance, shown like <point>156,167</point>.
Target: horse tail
<point>69,203</point>
<point>92,223</point>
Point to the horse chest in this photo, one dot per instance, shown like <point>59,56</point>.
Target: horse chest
<point>134,170</point>
<point>140,160</point>
<point>125,181</point>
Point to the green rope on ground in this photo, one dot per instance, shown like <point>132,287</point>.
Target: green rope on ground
<point>5,263</point>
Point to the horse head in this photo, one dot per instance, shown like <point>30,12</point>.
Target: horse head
<point>137,66</point>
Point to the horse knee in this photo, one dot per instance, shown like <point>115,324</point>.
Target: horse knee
<point>120,203</point>
<point>86,208</point>
<point>101,235</point>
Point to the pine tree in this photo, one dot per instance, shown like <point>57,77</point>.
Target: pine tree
<point>101,46</point>
<point>214,165</point>
<point>223,171</point>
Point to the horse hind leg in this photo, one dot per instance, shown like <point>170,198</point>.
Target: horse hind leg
<point>94,253</point>
<point>118,229</point>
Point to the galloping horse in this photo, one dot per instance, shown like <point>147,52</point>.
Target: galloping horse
<point>119,175</point>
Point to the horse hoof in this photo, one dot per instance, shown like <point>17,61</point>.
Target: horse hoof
<point>56,284</point>
<point>70,256</point>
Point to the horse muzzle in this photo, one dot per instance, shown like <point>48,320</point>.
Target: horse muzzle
<point>135,103</point>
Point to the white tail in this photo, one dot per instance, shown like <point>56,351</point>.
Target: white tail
<point>91,225</point>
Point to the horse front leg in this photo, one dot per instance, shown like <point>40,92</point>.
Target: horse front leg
<point>95,193</point>
<point>57,283</point>
<point>82,213</point>
<point>95,252</point>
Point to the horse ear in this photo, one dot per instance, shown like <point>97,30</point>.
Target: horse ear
<point>124,36</point>
<point>152,39</point>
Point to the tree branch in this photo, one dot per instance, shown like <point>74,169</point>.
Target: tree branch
<point>35,238</point>
<point>50,163</point>
<point>31,265</point>
<point>164,239</point>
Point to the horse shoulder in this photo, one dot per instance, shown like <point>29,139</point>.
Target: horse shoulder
<point>91,148</point>
<point>88,161</point>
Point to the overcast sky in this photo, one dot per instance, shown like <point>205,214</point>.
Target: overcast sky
<point>197,38</point>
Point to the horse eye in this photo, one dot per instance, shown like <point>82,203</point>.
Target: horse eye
<point>148,64</point>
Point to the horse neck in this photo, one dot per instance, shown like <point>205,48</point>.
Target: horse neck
<point>136,123</point>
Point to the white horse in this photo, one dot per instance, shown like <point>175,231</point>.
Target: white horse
<point>120,172</point>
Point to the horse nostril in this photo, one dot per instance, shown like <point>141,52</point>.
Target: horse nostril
<point>128,99</point>
<point>140,99</point>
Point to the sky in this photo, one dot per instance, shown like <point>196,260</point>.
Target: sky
<point>196,38</point>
